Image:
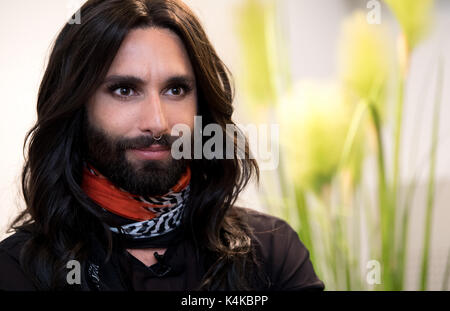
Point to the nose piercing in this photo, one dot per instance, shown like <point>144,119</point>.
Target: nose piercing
<point>157,138</point>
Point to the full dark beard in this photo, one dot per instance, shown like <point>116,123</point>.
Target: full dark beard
<point>145,178</point>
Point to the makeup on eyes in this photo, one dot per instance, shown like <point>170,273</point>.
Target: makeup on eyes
<point>133,84</point>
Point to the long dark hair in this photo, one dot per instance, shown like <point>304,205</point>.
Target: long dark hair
<point>63,218</point>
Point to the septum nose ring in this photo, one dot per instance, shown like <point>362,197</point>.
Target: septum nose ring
<point>158,138</point>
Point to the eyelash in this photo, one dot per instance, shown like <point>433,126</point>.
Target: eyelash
<point>114,87</point>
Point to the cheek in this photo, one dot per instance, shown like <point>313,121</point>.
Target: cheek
<point>184,115</point>
<point>108,117</point>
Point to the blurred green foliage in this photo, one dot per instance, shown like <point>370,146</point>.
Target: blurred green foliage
<point>329,129</point>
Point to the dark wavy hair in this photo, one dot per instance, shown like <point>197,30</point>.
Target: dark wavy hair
<point>63,219</point>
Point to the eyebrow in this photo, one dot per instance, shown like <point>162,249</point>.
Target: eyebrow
<point>128,79</point>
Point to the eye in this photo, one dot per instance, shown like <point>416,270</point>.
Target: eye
<point>122,91</point>
<point>176,91</point>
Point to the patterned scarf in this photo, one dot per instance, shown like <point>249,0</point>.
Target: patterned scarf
<point>153,216</point>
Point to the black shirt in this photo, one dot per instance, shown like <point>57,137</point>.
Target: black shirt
<point>284,258</point>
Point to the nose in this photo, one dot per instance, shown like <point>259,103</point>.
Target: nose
<point>152,117</point>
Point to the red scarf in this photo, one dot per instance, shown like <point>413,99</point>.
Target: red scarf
<point>123,203</point>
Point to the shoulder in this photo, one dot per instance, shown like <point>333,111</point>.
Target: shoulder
<point>13,243</point>
<point>262,222</point>
<point>284,256</point>
<point>268,229</point>
<point>12,276</point>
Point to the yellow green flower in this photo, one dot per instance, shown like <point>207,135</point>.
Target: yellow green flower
<point>314,122</point>
<point>365,57</point>
<point>414,17</point>
<point>253,19</point>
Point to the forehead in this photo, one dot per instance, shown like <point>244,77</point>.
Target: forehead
<point>151,53</point>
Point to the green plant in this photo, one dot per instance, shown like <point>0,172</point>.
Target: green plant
<point>329,130</point>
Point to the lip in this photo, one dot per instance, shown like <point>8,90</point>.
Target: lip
<point>154,152</point>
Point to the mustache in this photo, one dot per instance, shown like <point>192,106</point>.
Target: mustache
<point>146,141</point>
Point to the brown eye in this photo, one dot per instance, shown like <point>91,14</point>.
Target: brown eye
<point>123,91</point>
<point>176,91</point>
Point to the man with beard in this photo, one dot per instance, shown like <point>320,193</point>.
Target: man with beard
<point>107,205</point>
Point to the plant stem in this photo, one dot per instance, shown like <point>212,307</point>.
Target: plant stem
<point>397,135</point>
<point>446,278</point>
<point>431,181</point>
<point>403,245</point>
<point>304,229</point>
<point>353,129</point>
<point>382,200</point>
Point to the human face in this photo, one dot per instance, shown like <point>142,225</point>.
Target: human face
<point>149,88</point>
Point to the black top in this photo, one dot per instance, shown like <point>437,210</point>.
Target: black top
<point>284,258</point>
